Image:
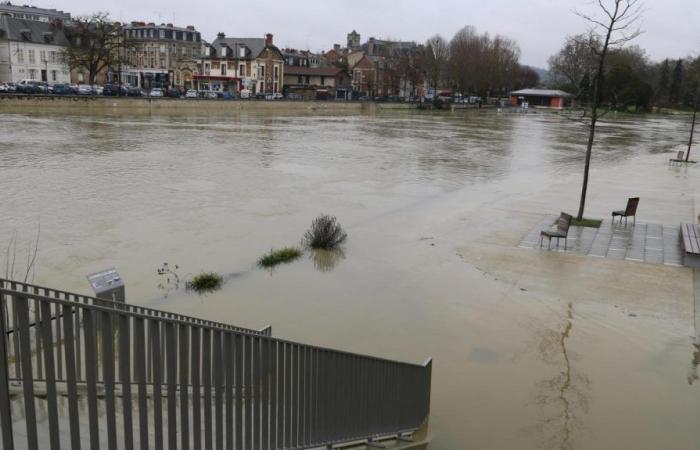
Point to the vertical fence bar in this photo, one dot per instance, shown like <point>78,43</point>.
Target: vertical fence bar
<point>238,368</point>
<point>287,395</point>
<point>218,405</point>
<point>140,378</point>
<point>157,369</point>
<point>228,369</point>
<point>5,406</point>
<point>60,340</point>
<point>71,377</point>
<point>206,384</point>
<point>196,393</point>
<point>108,376</point>
<point>265,393</point>
<point>274,411</point>
<point>184,387</point>
<point>125,379</point>
<point>255,394</point>
<point>171,381</point>
<point>25,354</point>
<point>51,398</point>
<point>91,376</point>
<point>248,402</point>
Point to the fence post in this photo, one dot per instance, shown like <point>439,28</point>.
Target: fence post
<point>5,407</point>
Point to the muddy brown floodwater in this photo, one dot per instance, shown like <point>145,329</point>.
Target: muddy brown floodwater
<point>531,349</point>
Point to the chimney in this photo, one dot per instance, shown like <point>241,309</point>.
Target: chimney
<point>170,25</point>
<point>268,40</point>
<point>336,46</point>
<point>220,35</point>
<point>190,27</point>
<point>151,24</point>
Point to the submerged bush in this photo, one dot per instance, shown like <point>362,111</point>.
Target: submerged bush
<point>283,255</point>
<point>325,233</point>
<point>205,282</point>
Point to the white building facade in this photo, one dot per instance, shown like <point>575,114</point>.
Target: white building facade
<point>31,50</point>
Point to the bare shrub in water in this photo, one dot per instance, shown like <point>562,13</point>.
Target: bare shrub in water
<point>325,233</point>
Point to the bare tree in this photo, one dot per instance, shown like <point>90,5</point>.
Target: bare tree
<point>95,44</point>
<point>575,62</point>
<point>437,54</point>
<point>696,101</point>
<point>615,24</point>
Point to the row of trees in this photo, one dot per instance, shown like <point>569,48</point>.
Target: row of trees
<point>631,78</point>
<point>474,63</point>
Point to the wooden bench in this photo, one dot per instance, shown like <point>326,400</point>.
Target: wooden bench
<point>690,234</point>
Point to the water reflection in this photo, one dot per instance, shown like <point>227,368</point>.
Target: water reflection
<point>562,398</point>
<point>694,364</point>
<point>326,260</point>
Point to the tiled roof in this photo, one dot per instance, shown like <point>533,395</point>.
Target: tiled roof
<point>31,31</point>
<point>318,71</point>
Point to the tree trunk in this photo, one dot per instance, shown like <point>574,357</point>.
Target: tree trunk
<point>692,127</point>
<point>597,93</point>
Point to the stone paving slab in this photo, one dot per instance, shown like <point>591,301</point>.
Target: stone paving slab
<point>650,243</point>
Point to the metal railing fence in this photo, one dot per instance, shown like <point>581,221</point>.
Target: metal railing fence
<point>132,377</point>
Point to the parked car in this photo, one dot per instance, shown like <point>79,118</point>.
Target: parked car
<point>28,87</point>
<point>174,93</point>
<point>156,92</point>
<point>211,94</point>
<point>4,87</point>
<point>260,96</point>
<point>112,90</point>
<point>245,93</point>
<point>191,93</point>
<point>85,89</point>
<point>278,96</point>
<point>132,91</point>
<point>229,95</point>
<point>62,89</point>
<point>74,89</point>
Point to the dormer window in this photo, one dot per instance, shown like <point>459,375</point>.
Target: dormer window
<point>26,34</point>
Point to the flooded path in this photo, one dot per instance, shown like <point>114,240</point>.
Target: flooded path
<point>532,350</point>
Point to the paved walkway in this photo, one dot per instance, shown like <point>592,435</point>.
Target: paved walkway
<point>643,242</point>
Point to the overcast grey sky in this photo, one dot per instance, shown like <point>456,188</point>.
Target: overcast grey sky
<point>539,26</point>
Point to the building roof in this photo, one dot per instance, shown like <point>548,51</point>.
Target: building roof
<point>313,71</point>
<point>254,46</point>
<point>31,31</point>
<point>33,10</point>
<point>542,93</point>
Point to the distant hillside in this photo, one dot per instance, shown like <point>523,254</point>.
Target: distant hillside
<point>545,76</point>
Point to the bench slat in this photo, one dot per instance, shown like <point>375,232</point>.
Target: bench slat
<point>691,238</point>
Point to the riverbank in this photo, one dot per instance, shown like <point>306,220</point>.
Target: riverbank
<point>12,102</point>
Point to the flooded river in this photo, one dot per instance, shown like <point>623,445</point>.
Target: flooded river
<point>532,350</point>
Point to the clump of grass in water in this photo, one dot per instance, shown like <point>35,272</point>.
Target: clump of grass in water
<point>205,282</point>
<point>283,255</point>
<point>325,234</point>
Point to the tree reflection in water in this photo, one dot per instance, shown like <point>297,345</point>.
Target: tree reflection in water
<point>563,398</point>
<point>326,260</point>
<point>694,364</point>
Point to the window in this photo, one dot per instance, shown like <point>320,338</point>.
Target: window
<point>32,60</point>
<point>42,56</point>
<point>261,72</point>
<point>241,70</point>
<point>323,81</point>
<point>32,74</point>
<point>162,49</point>
<point>276,71</point>
<point>241,52</point>
<point>207,68</point>
<point>20,56</point>
<point>275,87</point>
<point>223,69</point>
<point>81,77</point>
<point>54,75</point>
<point>161,33</point>
<point>300,79</point>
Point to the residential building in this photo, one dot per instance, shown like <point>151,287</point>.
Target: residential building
<point>33,13</point>
<point>162,55</point>
<point>364,77</point>
<point>301,58</point>
<point>233,64</point>
<point>317,83</point>
<point>31,49</point>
